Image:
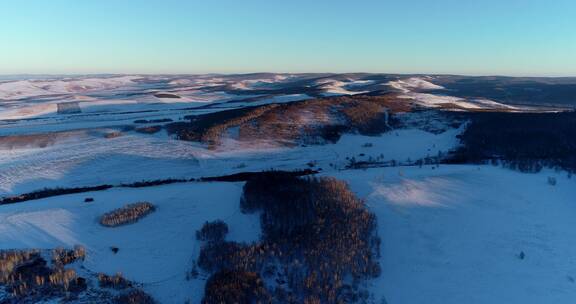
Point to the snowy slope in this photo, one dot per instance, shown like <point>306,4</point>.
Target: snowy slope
<point>456,234</point>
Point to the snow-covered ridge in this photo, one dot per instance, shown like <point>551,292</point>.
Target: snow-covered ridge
<point>332,87</point>
<point>444,101</point>
<point>34,88</point>
<point>411,90</point>
<point>413,83</point>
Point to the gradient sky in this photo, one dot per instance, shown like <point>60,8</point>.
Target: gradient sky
<point>505,37</point>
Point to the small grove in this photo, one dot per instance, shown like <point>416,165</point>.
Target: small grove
<point>128,214</point>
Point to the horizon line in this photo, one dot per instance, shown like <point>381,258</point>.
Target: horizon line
<point>294,73</point>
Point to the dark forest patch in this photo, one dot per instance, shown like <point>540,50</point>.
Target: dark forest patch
<point>319,245</point>
<point>524,141</point>
<point>300,122</point>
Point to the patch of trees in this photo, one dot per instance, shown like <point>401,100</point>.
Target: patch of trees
<point>144,121</point>
<point>129,293</point>
<point>317,121</point>
<point>523,141</point>
<point>134,296</point>
<point>166,95</point>
<point>27,277</point>
<point>116,281</point>
<point>319,244</point>
<point>212,231</point>
<point>62,256</point>
<point>209,127</point>
<point>235,286</point>
<point>128,214</point>
<point>114,134</point>
<point>149,129</point>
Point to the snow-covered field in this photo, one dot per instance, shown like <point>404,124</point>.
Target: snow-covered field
<point>451,234</point>
<point>91,159</point>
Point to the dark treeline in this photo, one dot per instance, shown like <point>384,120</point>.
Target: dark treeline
<point>523,141</point>
<point>44,193</point>
<point>246,176</point>
<point>236,177</point>
<point>318,245</point>
<point>143,121</point>
<point>157,182</point>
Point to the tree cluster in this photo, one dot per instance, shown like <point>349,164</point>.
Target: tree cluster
<point>128,214</point>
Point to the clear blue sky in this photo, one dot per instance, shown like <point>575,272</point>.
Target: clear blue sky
<point>506,37</point>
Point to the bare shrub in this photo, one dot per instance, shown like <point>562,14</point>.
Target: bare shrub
<point>9,260</point>
<point>552,181</point>
<point>116,281</point>
<point>128,214</point>
<point>62,256</point>
<point>212,231</point>
<point>135,296</point>
<point>149,130</point>
<point>114,134</point>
